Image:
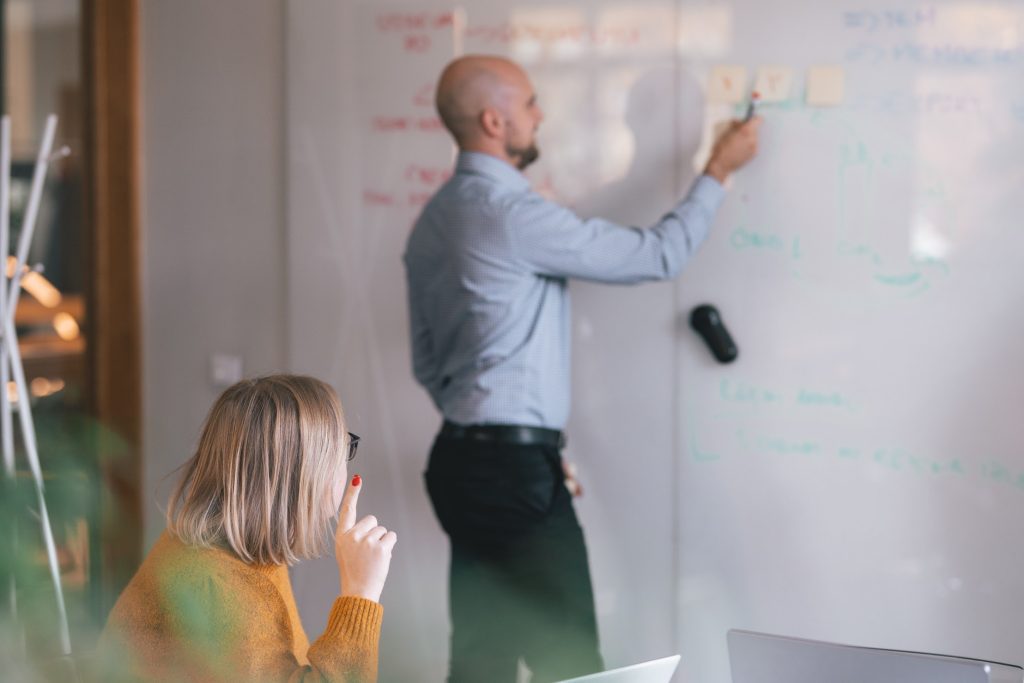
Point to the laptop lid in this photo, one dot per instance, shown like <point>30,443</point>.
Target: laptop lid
<point>765,658</point>
<point>655,671</point>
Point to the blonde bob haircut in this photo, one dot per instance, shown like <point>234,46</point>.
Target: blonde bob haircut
<point>261,479</point>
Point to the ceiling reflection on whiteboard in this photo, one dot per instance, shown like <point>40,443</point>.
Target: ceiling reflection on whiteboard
<point>705,31</point>
<point>927,243</point>
<point>976,25</point>
<point>644,29</point>
<point>557,33</point>
<point>568,33</point>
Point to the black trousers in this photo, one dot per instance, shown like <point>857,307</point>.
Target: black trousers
<point>519,579</point>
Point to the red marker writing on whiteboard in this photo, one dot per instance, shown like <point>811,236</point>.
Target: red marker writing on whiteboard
<point>754,97</point>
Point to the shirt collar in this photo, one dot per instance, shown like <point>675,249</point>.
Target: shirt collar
<point>491,167</point>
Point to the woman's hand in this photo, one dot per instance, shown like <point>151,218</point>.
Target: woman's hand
<point>363,548</point>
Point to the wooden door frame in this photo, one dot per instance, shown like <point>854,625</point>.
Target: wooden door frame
<point>112,123</point>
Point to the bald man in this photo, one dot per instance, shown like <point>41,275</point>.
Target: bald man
<point>487,264</point>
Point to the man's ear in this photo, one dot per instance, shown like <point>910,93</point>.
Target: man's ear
<point>492,123</point>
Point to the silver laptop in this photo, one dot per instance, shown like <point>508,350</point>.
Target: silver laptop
<point>764,658</point>
<point>655,671</point>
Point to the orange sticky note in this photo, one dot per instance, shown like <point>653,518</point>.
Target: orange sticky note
<point>728,85</point>
<point>825,86</point>
<point>773,83</point>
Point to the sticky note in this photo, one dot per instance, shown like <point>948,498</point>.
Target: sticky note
<point>728,85</point>
<point>773,83</point>
<point>825,86</point>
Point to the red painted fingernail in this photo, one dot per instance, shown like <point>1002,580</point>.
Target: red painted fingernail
<point>357,480</point>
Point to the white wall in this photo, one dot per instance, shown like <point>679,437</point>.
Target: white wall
<point>213,213</point>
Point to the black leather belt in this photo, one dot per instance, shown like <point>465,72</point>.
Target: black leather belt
<point>515,434</point>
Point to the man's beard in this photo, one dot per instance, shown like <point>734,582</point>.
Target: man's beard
<point>523,156</point>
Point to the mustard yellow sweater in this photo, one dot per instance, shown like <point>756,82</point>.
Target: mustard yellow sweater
<point>202,614</point>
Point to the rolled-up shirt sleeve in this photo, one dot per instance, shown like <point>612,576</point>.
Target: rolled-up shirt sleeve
<point>553,241</point>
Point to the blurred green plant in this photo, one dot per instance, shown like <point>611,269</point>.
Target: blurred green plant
<point>73,449</point>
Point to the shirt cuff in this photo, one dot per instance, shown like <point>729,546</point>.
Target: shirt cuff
<point>707,193</point>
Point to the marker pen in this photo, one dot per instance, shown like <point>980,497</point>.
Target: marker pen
<point>754,97</point>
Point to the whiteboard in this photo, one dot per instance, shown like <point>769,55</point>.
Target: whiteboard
<point>856,475</point>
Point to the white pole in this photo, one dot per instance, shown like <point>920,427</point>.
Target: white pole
<point>6,431</point>
<point>28,226</point>
<point>6,425</point>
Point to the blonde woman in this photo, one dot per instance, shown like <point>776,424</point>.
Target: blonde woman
<point>212,601</point>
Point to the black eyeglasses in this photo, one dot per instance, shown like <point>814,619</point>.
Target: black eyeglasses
<point>353,445</point>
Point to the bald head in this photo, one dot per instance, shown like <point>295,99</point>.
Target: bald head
<point>476,89</point>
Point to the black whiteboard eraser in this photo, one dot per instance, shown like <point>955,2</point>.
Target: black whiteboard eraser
<point>707,322</point>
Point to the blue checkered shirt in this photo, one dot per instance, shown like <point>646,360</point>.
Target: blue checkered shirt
<point>487,265</point>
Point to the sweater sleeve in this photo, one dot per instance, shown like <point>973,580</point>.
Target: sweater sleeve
<point>347,649</point>
<point>346,652</point>
<point>210,618</point>
<point>263,649</point>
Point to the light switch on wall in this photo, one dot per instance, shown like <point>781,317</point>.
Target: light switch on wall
<point>225,369</point>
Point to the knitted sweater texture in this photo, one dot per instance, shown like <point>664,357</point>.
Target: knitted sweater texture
<point>202,614</point>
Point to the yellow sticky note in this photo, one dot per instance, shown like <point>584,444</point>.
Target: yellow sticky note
<point>773,83</point>
<point>728,85</point>
<point>825,86</point>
